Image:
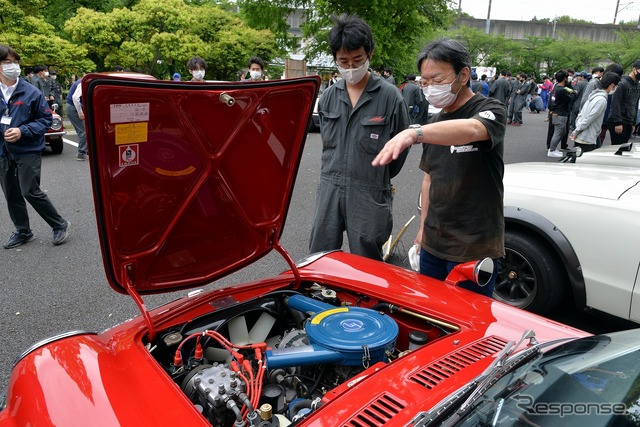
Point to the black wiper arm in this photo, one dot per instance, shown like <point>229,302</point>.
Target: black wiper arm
<point>497,366</point>
<point>495,371</point>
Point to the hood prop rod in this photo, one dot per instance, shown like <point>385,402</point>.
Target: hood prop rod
<point>283,252</point>
<point>128,270</point>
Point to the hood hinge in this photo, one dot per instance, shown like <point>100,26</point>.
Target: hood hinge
<point>128,270</point>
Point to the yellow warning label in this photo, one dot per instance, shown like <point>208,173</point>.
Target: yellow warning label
<point>131,133</point>
<point>317,319</point>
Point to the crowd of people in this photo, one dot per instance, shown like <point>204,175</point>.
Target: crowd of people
<point>367,126</point>
<point>564,96</point>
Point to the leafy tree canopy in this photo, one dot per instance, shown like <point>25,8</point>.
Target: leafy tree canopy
<point>158,37</point>
<point>26,31</point>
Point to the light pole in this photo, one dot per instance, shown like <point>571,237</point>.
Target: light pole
<point>487,29</point>
<point>620,9</point>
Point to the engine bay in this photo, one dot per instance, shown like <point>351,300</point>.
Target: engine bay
<point>273,360</point>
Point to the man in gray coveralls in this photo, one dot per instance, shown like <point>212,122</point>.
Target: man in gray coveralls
<point>358,115</point>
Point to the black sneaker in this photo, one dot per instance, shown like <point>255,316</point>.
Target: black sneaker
<point>81,157</point>
<point>60,234</point>
<point>18,239</point>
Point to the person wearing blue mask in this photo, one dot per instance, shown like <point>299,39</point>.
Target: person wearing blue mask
<point>462,216</point>
<point>358,115</point>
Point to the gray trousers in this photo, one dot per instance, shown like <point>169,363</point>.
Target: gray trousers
<point>78,125</point>
<point>365,214</point>
<point>20,180</point>
<point>559,129</point>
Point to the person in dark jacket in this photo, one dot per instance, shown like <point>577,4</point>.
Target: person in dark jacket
<point>414,98</point>
<point>624,106</point>
<point>500,88</point>
<point>25,119</point>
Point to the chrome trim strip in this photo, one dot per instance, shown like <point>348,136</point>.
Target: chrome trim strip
<point>49,340</point>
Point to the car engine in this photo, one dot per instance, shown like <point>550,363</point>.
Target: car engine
<point>271,361</point>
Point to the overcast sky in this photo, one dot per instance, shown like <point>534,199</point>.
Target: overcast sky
<point>597,11</point>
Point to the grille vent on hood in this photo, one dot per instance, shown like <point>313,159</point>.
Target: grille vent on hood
<point>377,413</point>
<point>438,371</point>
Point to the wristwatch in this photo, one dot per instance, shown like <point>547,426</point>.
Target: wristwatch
<point>418,129</point>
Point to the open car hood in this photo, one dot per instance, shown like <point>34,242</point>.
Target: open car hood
<point>191,181</point>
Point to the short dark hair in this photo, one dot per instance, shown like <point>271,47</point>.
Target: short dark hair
<point>256,60</point>
<point>636,64</point>
<point>446,50</point>
<point>6,51</point>
<point>597,69</point>
<point>570,71</point>
<point>483,77</point>
<point>608,78</point>
<point>504,72</point>
<point>350,32</point>
<point>194,61</point>
<point>118,68</point>
<point>411,77</point>
<point>614,68</point>
<point>561,75</point>
<point>523,75</point>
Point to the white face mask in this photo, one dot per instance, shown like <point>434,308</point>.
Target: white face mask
<point>440,96</point>
<point>198,74</point>
<point>54,77</point>
<point>11,71</point>
<point>46,74</point>
<point>255,75</point>
<point>354,75</point>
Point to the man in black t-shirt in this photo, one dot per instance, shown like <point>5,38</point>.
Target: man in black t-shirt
<point>462,191</point>
<point>561,100</point>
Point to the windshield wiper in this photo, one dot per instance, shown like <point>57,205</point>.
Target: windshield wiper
<point>495,371</point>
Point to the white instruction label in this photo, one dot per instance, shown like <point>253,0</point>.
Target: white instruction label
<point>128,113</point>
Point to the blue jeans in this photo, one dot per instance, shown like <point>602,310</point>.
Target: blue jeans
<point>78,125</point>
<point>438,268</point>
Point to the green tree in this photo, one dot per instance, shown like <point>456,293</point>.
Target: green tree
<point>23,28</point>
<point>159,36</point>
<point>57,12</point>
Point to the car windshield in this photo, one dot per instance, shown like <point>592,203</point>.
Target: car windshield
<point>593,381</point>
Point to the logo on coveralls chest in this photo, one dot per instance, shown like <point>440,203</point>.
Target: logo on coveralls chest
<point>377,120</point>
<point>352,325</point>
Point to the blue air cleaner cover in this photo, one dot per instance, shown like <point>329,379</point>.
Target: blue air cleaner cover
<point>352,336</point>
<point>356,333</point>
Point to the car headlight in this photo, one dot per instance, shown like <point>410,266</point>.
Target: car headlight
<point>56,123</point>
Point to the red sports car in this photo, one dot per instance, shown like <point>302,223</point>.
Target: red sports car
<point>191,183</point>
